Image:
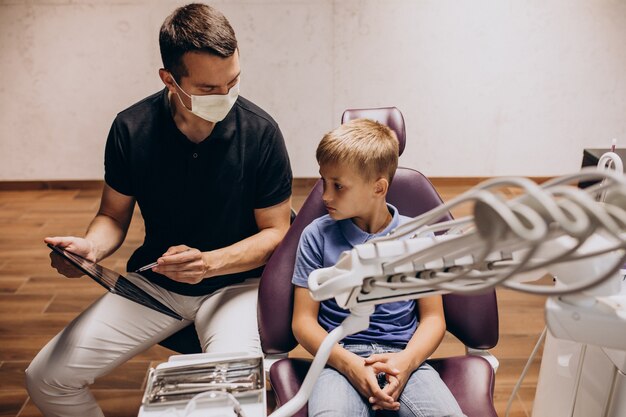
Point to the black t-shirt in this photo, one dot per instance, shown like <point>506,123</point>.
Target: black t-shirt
<point>201,195</point>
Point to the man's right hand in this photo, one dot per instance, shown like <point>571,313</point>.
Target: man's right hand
<point>105,233</point>
<point>79,246</point>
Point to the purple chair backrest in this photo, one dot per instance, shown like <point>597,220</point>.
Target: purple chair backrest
<point>275,289</point>
<point>389,116</point>
<point>472,319</point>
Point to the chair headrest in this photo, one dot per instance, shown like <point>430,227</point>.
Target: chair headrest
<point>389,116</point>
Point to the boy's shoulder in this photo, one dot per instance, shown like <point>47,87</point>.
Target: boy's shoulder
<point>320,226</point>
<point>403,219</point>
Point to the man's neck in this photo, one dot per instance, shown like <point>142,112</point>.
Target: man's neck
<point>192,126</point>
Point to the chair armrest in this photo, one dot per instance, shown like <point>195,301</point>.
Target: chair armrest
<point>484,353</point>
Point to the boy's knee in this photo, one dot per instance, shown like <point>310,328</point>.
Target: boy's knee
<point>339,412</point>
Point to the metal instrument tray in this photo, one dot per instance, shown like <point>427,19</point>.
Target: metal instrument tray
<point>177,383</point>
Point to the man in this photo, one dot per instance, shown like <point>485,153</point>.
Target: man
<point>211,175</point>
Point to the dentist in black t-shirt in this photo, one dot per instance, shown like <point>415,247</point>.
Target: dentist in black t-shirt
<point>211,176</point>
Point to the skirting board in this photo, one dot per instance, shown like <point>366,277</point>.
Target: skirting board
<point>300,183</point>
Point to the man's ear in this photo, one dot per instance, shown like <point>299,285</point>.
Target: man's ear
<point>381,186</point>
<point>167,79</point>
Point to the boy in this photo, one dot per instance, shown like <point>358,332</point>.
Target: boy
<point>357,163</point>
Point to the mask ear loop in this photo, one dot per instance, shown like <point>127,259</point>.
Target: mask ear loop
<point>178,95</point>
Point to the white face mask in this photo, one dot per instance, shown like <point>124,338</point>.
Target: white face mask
<point>212,107</point>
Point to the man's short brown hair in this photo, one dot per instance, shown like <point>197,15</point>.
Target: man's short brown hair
<point>367,146</point>
<point>194,27</point>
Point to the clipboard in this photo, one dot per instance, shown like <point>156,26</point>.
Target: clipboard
<point>115,283</point>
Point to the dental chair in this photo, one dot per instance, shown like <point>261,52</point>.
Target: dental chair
<point>472,319</point>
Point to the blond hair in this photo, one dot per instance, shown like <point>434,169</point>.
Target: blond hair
<point>368,147</point>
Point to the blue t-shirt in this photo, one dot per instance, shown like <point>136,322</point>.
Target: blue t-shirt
<point>321,244</point>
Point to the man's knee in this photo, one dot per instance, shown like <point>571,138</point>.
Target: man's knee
<point>232,308</point>
<point>47,377</point>
<point>32,376</point>
<point>228,342</point>
<point>39,380</point>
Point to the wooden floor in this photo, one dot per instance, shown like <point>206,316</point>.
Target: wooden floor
<point>36,303</point>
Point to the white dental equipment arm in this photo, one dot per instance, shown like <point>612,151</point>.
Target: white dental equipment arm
<point>552,228</point>
<point>545,227</point>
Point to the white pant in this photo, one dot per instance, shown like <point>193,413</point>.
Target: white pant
<point>114,329</point>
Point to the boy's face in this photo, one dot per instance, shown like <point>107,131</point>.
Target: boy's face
<point>346,194</point>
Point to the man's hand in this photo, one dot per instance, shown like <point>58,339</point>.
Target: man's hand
<point>77,245</point>
<point>398,371</point>
<point>183,264</point>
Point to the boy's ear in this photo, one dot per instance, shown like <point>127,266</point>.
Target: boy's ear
<point>381,186</point>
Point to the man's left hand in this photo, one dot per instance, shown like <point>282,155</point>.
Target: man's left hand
<point>183,264</point>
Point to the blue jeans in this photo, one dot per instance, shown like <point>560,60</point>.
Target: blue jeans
<point>425,394</point>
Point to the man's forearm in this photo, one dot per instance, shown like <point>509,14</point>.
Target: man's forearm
<point>106,235</point>
<point>244,255</point>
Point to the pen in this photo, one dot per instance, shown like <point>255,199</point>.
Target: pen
<point>149,266</point>
<point>153,264</point>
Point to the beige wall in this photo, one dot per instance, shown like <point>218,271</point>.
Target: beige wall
<point>487,87</point>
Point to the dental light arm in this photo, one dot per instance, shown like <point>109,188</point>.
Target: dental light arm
<point>555,228</point>
<point>545,227</point>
